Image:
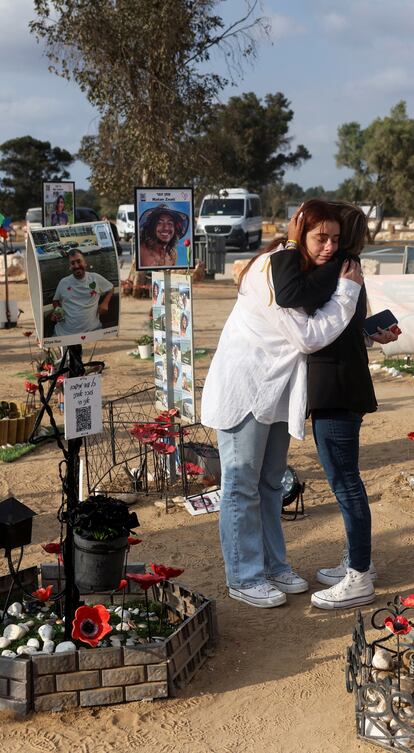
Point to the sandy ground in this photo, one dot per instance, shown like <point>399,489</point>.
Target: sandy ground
<point>276,681</point>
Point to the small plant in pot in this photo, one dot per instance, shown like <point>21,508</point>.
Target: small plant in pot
<point>145,343</point>
<point>101,527</point>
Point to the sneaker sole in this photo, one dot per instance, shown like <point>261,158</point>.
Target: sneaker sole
<point>289,589</point>
<point>358,601</point>
<point>332,580</point>
<point>255,603</point>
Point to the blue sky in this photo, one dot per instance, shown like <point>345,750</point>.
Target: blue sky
<point>335,60</point>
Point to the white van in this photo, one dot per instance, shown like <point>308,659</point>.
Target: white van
<point>125,221</point>
<point>234,213</point>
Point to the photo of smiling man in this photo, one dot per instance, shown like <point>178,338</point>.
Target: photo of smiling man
<point>164,228</point>
<point>80,299</point>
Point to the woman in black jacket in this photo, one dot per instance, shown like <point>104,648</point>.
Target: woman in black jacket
<point>340,389</point>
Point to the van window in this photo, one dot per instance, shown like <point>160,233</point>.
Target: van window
<point>131,216</point>
<point>229,207</point>
<point>34,215</point>
<point>256,207</point>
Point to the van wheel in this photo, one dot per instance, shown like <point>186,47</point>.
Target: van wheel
<point>245,245</point>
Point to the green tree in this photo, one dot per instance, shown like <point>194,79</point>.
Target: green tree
<point>25,162</point>
<point>247,143</point>
<point>140,65</point>
<point>382,159</point>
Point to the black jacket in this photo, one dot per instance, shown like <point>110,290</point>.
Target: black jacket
<point>338,375</point>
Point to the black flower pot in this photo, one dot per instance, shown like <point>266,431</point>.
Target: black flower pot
<point>99,565</point>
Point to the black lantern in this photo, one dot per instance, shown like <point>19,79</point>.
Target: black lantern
<point>15,524</point>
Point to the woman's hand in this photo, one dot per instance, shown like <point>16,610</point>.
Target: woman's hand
<point>295,226</point>
<point>351,270</point>
<point>385,336</point>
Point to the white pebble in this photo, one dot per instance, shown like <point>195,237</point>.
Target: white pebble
<point>46,632</point>
<point>9,654</point>
<point>15,609</point>
<point>4,642</point>
<point>14,632</point>
<point>65,646</point>
<point>26,650</point>
<point>33,642</point>
<point>123,614</point>
<point>48,647</point>
<point>130,642</point>
<point>123,626</point>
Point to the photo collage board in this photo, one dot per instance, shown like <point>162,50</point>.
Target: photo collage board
<point>173,343</point>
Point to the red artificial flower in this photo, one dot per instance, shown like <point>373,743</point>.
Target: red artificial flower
<point>60,379</point>
<point>410,435</point>
<point>133,540</point>
<point>144,434</point>
<point>53,548</point>
<point>163,448</point>
<point>163,418</point>
<point>91,624</point>
<point>28,333</point>
<point>166,572</point>
<point>398,625</point>
<point>408,601</point>
<point>43,594</point>
<point>145,580</point>
<point>60,559</point>
<point>187,242</point>
<point>122,584</point>
<point>191,469</point>
<point>30,387</point>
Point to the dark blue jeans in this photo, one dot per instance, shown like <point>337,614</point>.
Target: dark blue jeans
<point>336,435</point>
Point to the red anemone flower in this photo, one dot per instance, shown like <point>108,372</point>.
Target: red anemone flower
<point>192,469</point>
<point>144,434</point>
<point>408,601</point>
<point>30,387</point>
<point>166,572</point>
<point>132,540</point>
<point>145,580</point>
<point>43,594</point>
<point>122,584</point>
<point>91,624</point>
<point>163,418</point>
<point>28,333</point>
<point>410,435</point>
<point>398,625</point>
<point>163,448</point>
<point>53,548</point>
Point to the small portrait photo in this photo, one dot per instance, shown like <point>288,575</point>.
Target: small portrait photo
<point>164,228</point>
<point>176,375</point>
<point>185,324</point>
<point>159,344</point>
<point>161,398</point>
<point>73,283</point>
<point>186,379</point>
<point>184,297</point>
<point>176,349</point>
<point>159,371</point>
<point>186,351</point>
<point>188,408</point>
<point>203,503</point>
<point>58,203</point>
<point>158,317</point>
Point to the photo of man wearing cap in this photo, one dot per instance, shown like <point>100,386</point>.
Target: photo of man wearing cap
<point>160,229</point>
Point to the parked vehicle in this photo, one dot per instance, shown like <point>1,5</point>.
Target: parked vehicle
<point>125,221</point>
<point>234,213</point>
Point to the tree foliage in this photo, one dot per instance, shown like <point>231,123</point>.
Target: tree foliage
<point>25,162</point>
<point>139,64</point>
<point>247,143</point>
<point>382,159</point>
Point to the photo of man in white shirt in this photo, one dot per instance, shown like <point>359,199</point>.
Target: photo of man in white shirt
<point>80,298</point>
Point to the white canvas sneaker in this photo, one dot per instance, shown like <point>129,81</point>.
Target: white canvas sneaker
<point>289,582</point>
<point>354,590</point>
<point>332,575</point>
<point>263,595</point>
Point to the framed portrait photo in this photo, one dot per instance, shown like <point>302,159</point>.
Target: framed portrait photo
<point>58,203</point>
<point>164,228</point>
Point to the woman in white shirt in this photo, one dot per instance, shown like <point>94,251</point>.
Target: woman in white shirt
<point>255,397</point>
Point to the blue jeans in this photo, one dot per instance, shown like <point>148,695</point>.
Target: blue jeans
<point>253,461</point>
<point>337,440</point>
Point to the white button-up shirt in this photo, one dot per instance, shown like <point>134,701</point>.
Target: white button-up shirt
<point>260,365</point>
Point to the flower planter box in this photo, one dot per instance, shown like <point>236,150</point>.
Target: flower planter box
<point>105,676</point>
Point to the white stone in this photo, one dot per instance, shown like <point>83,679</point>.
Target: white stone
<point>123,614</point>
<point>48,647</point>
<point>130,642</point>
<point>26,650</point>
<point>40,616</point>
<point>15,609</point>
<point>46,632</point>
<point>33,642</point>
<point>25,627</point>
<point>4,642</point>
<point>29,624</point>
<point>115,641</point>
<point>65,646</point>
<point>14,632</point>
<point>123,627</point>
<point>9,654</point>
<point>382,659</point>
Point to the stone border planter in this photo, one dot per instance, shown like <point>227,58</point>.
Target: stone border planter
<point>105,676</point>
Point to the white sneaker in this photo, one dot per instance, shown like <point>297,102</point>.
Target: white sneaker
<point>354,590</point>
<point>289,582</point>
<point>332,575</point>
<point>263,595</point>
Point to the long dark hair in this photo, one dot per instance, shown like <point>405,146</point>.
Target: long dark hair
<point>148,236</point>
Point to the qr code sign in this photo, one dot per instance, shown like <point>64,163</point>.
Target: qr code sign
<point>83,419</point>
